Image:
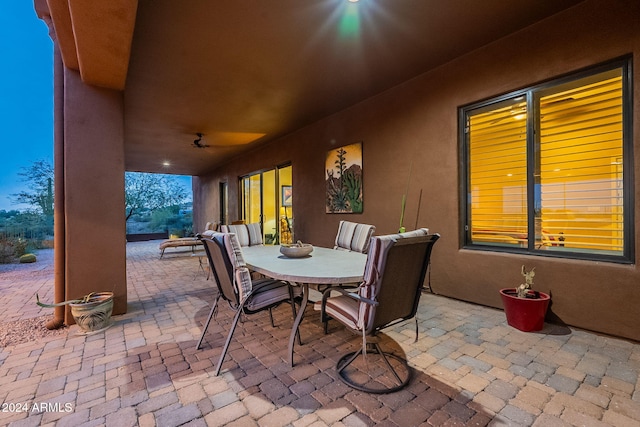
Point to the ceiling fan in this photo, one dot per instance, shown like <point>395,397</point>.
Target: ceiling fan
<point>197,143</point>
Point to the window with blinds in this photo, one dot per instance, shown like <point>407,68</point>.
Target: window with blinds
<point>498,174</point>
<point>545,168</point>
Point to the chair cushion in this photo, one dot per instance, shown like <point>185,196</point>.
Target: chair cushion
<point>344,309</point>
<point>242,275</point>
<point>354,237</point>
<point>267,292</point>
<point>211,226</point>
<point>414,233</point>
<point>182,241</point>
<point>208,233</point>
<point>248,234</point>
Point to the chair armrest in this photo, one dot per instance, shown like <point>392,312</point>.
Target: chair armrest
<point>327,293</point>
<point>325,296</point>
<point>362,299</point>
<point>357,297</point>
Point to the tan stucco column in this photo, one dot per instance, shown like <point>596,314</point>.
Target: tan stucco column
<point>95,242</point>
<point>58,202</point>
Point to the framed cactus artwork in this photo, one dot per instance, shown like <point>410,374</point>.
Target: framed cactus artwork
<point>343,179</point>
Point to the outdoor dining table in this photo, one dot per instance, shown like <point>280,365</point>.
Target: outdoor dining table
<point>323,267</point>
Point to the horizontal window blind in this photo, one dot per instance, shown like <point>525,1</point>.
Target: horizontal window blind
<point>498,175</point>
<point>581,168</point>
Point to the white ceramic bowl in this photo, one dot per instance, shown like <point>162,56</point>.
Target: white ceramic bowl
<point>296,251</point>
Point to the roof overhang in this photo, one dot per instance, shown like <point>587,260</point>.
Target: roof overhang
<point>94,37</point>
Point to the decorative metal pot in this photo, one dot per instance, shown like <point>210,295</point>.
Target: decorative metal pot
<point>91,312</point>
<point>94,313</point>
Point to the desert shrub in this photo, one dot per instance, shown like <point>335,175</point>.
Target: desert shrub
<point>12,248</point>
<point>7,252</point>
<point>27,258</point>
<point>20,247</point>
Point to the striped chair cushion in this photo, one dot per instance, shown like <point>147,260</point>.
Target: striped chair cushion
<point>354,237</point>
<point>267,292</point>
<point>241,272</point>
<point>344,309</point>
<point>248,234</point>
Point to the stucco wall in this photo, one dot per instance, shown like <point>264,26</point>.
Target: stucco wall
<point>95,250</point>
<point>415,125</point>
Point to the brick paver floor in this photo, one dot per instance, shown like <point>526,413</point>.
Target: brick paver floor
<point>470,367</point>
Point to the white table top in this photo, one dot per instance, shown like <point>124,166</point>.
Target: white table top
<point>322,266</point>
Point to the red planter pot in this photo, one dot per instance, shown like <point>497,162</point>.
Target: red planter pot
<point>525,314</point>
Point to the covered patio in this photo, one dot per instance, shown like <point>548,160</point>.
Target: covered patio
<point>471,368</point>
<point>229,92</point>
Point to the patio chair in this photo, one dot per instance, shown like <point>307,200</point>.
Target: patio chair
<point>353,236</point>
<point>237,288</point>
<point>389,294</point>
<point>178,243</point>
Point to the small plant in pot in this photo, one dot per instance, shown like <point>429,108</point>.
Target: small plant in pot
<point>92,312</point>
<point>524,307</point>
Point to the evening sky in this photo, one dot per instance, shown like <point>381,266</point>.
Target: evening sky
<point>26,97</point>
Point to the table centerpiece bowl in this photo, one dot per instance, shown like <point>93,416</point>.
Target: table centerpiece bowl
<point>296,250</point>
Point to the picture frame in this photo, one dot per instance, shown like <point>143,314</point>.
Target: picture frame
<point>343,179</point>
<point>287,195</point>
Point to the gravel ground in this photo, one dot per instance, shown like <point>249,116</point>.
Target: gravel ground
<point>14,275</point>
<point>43,264</point>
<point>21,331</point>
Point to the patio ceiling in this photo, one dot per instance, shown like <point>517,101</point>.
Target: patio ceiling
<point>247,71</point>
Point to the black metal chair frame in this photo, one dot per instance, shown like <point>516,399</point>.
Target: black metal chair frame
<point>223,273</point>
<point>401,276</point>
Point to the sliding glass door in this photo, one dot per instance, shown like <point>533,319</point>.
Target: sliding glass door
<point>262,201</point>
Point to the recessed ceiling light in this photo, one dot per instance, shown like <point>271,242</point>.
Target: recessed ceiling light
<point>166,163</point>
